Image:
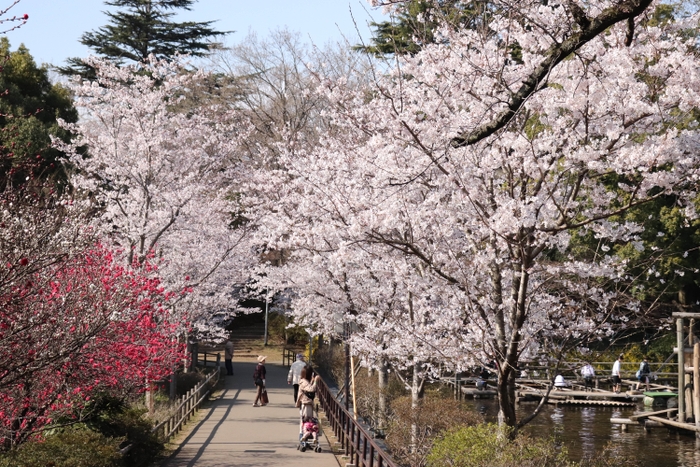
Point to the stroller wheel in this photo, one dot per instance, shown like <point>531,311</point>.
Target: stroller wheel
<point>318,449</point>
<point>302,449</point>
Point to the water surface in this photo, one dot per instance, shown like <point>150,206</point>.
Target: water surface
<point>585,431</point>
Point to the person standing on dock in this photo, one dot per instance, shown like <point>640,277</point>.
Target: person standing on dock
<point>643,374</point>
<point>617,382</point>
<point>588,374</point>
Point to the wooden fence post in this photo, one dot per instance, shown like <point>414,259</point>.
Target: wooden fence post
<point>681,370</point>
<point>696,385</point>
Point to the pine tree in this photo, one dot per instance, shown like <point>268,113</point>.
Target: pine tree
<point>416,21</point>
<point>142,28</point>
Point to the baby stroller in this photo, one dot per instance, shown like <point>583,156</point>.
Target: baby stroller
<point>311,429</point>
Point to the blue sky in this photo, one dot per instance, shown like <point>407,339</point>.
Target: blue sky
<point>55,26</point>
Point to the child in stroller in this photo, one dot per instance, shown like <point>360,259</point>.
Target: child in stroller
<point>309,438</point>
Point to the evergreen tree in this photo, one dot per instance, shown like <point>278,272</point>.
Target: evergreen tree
<point>29,108</point>
<point>416,21</point>
<point>144,27</point>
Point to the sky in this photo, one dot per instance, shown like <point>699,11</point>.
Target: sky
<point>54,28</point>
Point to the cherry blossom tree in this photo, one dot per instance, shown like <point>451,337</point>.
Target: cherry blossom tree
<point>166,181</point>
<point>471,165</point>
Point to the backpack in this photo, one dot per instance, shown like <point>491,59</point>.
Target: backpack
<point>645,369</point>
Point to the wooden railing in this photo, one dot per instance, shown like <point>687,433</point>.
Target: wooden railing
<point>357,443</point>
<point>189,403</point>
<point>289,356</point>
<point>204,357</point>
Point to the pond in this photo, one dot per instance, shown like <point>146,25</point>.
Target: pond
<point>586,431</point>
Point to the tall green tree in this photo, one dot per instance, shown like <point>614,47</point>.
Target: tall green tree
<point>29,108</point>
<point>140,28</point>
<point>415,22</point>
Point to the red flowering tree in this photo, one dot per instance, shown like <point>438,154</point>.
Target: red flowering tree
<point>10,23</point>
<point>83,325</point>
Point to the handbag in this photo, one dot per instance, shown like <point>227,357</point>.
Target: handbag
<point>263,397</point>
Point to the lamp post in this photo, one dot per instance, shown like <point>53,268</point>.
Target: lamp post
<point>347,367</point>
<point>267,292</point>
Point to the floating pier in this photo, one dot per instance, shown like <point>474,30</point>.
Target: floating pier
<point>571,396</point>
<point>687,394</point>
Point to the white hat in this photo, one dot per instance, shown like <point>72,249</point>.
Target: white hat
<point>261,358</point>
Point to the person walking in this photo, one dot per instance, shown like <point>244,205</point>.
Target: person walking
<point>307,391</point>
<point>643,374</point>
<point>617,382</point>
<point>259,380</point>
<point>588,373</point>
<point>295,374</point>
<point>228,357</point>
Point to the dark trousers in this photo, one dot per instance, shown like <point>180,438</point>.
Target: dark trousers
<point>229,367</point>
<point>296,392</point>
<point>587,382</point>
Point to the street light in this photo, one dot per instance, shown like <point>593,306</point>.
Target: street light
<point>267,293</point>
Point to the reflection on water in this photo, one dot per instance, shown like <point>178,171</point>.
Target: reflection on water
<point>586,431</point>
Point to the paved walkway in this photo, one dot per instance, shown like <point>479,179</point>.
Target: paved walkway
<point>231,432</point>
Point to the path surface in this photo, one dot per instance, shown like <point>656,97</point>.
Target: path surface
<point>231,432</point>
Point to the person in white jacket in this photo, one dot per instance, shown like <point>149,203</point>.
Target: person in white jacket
<point>295,374</point>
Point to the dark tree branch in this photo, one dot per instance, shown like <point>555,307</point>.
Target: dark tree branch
<point>625,10</point>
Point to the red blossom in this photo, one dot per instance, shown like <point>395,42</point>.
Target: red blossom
<point>93,326</point>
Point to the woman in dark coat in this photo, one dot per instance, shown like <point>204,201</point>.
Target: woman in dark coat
<point>259,380</point>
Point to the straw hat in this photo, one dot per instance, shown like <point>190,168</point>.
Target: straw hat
<point>262,358</point>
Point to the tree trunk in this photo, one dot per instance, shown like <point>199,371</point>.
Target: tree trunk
<point>383,383</point>
<point>416,400</point>
<point>506,397</point>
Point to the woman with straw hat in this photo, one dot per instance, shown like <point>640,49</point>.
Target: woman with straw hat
<point>259,380</point>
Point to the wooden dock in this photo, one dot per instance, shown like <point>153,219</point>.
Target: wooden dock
<point>535,390</point>
<point>596,403</point>
<point>650,420</point>
<point>473,393</point>
<point>573,396</point>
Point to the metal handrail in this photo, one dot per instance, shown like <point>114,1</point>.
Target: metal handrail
<point>358,444</point>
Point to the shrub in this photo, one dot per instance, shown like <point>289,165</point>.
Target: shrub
<point>367,395</point>
<point>611,456</point>
<point>129,425</point>
<point>71,447</point>
<point>186,381</point>
<point>487,445</point>
<point>434,416</point>
<point>330,359</point>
